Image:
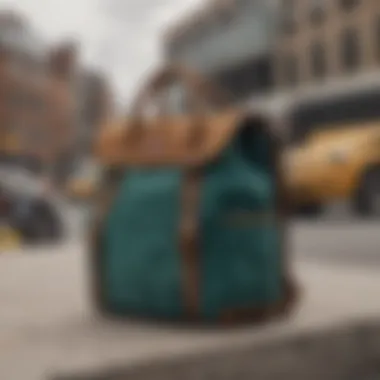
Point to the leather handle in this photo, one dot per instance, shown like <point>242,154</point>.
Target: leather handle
<point>200,91</point>
<point>200,95</point>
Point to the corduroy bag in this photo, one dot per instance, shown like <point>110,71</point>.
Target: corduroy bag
<point>191,214</point>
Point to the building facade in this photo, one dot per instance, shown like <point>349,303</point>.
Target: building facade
<point>322,40</point>
<point>230,41</point>
<point>94,104</point>
<point>20,63</point>
<point>35,92</point>
<point>47,105</point>
<point>277,51</point>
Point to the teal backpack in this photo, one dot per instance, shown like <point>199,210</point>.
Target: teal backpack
<point>191,213</point>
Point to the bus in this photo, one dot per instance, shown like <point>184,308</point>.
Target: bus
<point>333,149</point>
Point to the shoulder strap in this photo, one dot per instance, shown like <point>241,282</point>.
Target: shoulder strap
<point>189,241</point>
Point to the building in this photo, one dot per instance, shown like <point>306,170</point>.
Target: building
<point>323,40</point>
<point>326,62</point>
<point>35,95</point>
<point>82,103</point>
<point>20,62</point>
<point>95,106</point>
<point>62,115</point>
<point>48,101</point>
<point>281,50</point>
<point>18,35</point>
<point>231,41</point>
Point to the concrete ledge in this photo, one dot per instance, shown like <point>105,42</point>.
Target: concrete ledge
<point>349,352</point>
<point>47,329</point>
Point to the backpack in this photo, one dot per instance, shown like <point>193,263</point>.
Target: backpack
<point>191,215</point>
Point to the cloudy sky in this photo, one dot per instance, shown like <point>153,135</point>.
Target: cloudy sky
<point>119,36</point>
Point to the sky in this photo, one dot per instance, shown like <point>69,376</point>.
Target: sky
<point>121,37</point>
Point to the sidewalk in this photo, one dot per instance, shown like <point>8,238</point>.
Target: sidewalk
<point>47,327</point>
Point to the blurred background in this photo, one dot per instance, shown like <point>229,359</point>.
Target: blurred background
<point>69,68</point>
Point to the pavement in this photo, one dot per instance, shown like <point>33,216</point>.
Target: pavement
<point>351,244</point>
<point>47,326</point>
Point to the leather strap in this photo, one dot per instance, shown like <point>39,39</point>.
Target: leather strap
<point>199,94</point>
<point>189,241</point>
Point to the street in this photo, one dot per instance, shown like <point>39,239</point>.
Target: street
<point>336,238</point>
<point>350,243</point>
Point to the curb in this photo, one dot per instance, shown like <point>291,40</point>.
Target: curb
<point>348,352</point>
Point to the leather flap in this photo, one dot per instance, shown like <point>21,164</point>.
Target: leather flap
<point>167,140</point>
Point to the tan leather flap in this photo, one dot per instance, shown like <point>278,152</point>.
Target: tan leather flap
<point>166,141</point>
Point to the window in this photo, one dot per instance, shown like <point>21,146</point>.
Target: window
<point>36,103</point>
<point>377,38</point>
<point>288,22</point>
<point>317,11</point>
<point>224,17</point>
<point>349,5</point>
<point>318,60</point>
<point>253,76</point>
<point>35,136</point>
<point>288,5</point>
<point>350,50</point>
<point>243,3</point>
<point>290,72</point>
<point>24,100</point>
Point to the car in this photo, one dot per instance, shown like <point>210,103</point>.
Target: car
<point>337,165</point>
<point>29,209</point>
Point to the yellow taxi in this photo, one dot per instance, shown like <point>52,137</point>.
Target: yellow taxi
<point>337,164</point>
<point>9,238</point>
